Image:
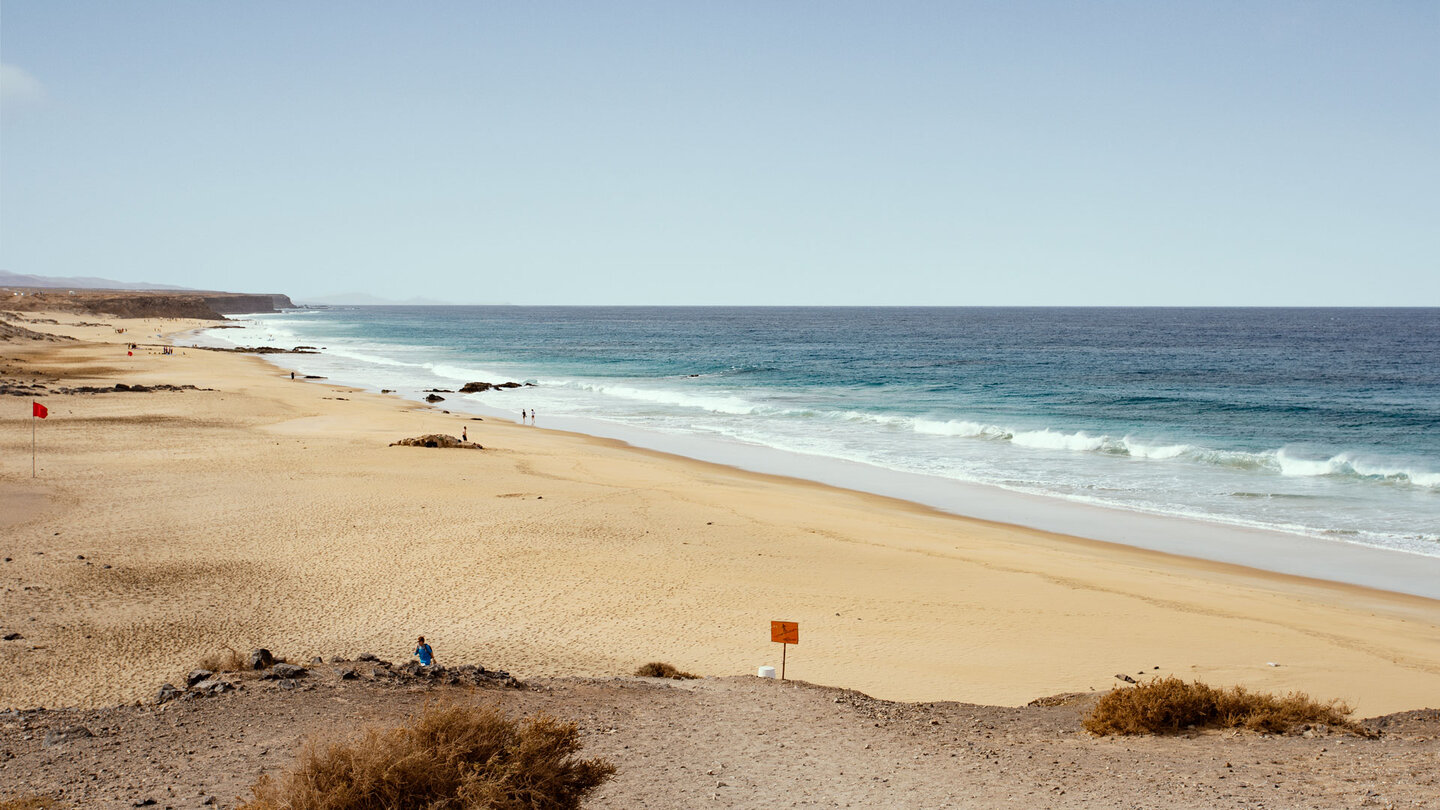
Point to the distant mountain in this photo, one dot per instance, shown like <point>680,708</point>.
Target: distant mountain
<point>9,279</point>
<point>358,299</point>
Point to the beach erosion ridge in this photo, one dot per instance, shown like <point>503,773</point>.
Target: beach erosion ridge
<point>213,502</point>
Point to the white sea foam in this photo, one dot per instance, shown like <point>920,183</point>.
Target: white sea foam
<point>462,374</point>
<point>370,357</point>
<point>665,396</point>
<point>961,428</point>
<point>1057,440</point>
<point>1357,465</point>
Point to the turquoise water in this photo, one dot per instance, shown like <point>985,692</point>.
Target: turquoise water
<point>1316,422</point>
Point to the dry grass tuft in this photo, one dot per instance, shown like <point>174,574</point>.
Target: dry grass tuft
<point>1169,705</point>
<point>227,661</point>
<point>656,669</point>
<point>452,757</point>
<point>28,803</point>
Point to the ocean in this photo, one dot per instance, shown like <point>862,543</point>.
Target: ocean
<point>1317,423</point>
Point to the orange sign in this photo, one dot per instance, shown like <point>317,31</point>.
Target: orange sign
<point>785,632</point>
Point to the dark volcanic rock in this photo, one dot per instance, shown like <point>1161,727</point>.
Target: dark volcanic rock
<point>167,693</point>
<point>134,389</point>
<point>198,675</point>
<point>212,686</point>
<point>263,349</point>
<point>434,398</point>
<point>436,440</point>
<point>476,387</point>
<point>260,658</point>
<point>287,671</point>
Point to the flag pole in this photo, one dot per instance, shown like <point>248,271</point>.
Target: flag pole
<point>32,440</point>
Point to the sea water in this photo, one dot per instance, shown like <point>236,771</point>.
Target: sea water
<point>1319,423</point>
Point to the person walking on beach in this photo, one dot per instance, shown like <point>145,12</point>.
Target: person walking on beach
<point>424,653</point>
<point>464,436</point>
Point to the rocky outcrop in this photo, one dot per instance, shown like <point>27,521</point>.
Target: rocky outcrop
<point>212,686</point>
<point>236,303</point>
<point>35,389</point>
<point>436,440</point>
<point>412,672</point>
<point>202,683</point>
<point>282,671</point>
<point>9,331</point>
<point>262,349</point>
<point>476,387</point>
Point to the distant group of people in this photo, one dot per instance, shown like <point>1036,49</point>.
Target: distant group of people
<point>527,417</point>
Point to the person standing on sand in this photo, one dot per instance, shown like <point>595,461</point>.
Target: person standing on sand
<point>464,435</point>
<point>425,654</point>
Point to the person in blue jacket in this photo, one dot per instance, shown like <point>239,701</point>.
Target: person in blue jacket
<point>426,655</point>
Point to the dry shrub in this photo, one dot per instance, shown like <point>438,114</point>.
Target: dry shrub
<point>27,803</point>
<point>1168,705</point>
<point>656,669</point>
<point>227,661</point>
<point>452,757</point>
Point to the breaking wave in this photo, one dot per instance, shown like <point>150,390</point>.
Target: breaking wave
<point>1286,461</point>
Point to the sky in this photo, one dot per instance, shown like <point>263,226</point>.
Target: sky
<point>676,153</point>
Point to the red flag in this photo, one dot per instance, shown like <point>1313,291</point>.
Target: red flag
<point>39,410</point>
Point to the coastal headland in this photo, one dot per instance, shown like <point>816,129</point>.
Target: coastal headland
<point>165,523</point>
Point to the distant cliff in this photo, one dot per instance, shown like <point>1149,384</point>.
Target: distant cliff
<point>236,303</point>
<point>160,304</point>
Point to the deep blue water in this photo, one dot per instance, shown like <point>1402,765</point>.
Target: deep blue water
<point>1323,422</point>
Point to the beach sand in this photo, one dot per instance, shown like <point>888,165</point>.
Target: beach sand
<point>271,512</point>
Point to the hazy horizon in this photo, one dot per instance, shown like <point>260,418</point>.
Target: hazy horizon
<point>1036,153</point>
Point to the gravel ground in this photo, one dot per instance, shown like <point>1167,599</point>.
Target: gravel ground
<point>728,742</point>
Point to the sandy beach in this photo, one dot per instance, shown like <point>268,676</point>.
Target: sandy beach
<point>257,510</point>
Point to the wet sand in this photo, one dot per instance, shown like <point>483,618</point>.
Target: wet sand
<point>271,512</point>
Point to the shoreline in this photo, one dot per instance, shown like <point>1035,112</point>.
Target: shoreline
<point>279,513</point>
<point>1335,560</point>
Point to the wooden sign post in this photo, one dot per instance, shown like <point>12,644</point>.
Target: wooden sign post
<point>785,633</point>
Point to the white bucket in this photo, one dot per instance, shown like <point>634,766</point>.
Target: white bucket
<point>766,672</point>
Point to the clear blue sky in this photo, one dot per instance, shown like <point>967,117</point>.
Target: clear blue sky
<point>1141,153</point>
